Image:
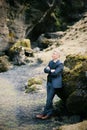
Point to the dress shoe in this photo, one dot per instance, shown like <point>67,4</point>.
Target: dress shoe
<point>45,117</point>
<point>39,116</point>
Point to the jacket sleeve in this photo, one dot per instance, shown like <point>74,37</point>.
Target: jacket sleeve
<point>46,70</point>
<point>58,70</point>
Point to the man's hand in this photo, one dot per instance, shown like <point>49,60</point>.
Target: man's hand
<point>48,67</point>
<point>52,70</point>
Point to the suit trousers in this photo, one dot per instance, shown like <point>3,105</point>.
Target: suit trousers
<point>51,92</point>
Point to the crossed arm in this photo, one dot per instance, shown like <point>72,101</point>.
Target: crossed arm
<point>54,72</point>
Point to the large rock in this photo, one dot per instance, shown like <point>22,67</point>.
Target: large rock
<point>48,39</point>
<point>78,126</point>
<point>77,102</point>
<point>75,84</point>
<point>5,64</point>
<point>25,43</point>
<point>20,51</point>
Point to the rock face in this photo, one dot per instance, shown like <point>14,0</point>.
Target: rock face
<point>27,19</point>
<point>12,26</point>
<point>3,27</point>
<point>75,84</point>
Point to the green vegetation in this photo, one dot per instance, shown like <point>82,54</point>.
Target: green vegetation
<point>33,84</point>
<point>75,74</point>
<point>25,43</point>
<point>68,12</point>
<point>75,83</point>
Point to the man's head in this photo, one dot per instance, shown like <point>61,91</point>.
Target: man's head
<point>55,55</point>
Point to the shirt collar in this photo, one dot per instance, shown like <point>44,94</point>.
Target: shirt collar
<point>55,61</point>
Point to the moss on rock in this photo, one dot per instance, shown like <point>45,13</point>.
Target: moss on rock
<point>33,84</point>
<point>77,102</point>
<point>35,80</point>
<point>75,83</point>
<point>25,43</point>
<point>73,60</point>
<point>75,74</point>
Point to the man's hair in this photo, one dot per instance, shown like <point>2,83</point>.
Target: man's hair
<point>57,51</point>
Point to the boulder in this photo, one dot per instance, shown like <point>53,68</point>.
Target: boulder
<point>77,102</point>
<point>25,43</point>
<point>74,91</point>
<point>78,126</point>
<point>48,39</point>
<point>26,48</point>
<point>4,63</point>
<point>19,57</point>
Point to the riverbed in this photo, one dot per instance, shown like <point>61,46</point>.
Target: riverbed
<point>17,108</point>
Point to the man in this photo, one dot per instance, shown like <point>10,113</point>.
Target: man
<point>54,84</point>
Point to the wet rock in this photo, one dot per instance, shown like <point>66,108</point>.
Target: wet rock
<point>5,64</point>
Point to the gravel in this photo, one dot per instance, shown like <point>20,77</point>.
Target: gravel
<point>17,108</point>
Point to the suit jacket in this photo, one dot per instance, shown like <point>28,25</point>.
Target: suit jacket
<point>54,79</point>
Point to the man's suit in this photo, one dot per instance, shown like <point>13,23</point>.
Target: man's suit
<point>54,83</point>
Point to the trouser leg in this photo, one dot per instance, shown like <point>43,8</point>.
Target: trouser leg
<point>59,92</point>
<point>48,110</point>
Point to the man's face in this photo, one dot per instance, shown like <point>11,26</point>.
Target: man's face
<point>55,55</point>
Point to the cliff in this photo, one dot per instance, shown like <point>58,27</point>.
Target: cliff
<point>29,19</point>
